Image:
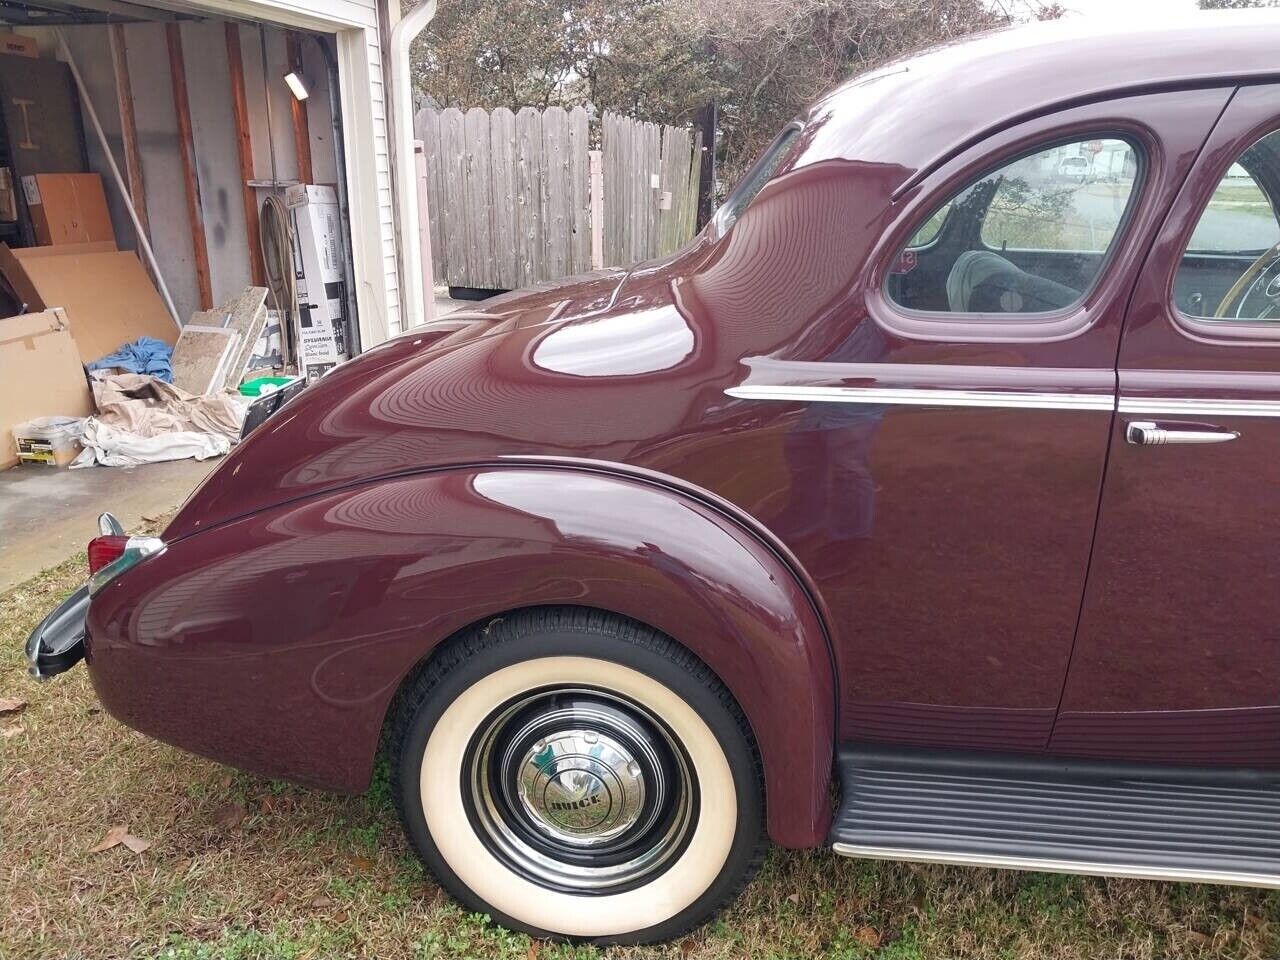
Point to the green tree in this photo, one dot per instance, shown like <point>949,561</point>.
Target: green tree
<point>661,60</point>
<point>639,57</point>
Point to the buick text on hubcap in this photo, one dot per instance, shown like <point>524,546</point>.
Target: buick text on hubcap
<point>579,790</point>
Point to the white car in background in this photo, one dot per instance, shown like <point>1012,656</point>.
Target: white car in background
<point>1073,169</point>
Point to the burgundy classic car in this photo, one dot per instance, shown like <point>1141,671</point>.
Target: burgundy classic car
<point>927,478</point>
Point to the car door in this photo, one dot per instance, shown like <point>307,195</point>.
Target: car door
<point>1177,657</point>
<point>946,454</point>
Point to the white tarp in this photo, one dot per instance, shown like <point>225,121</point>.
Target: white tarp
<point>113,447</point>
<point>144,420</point>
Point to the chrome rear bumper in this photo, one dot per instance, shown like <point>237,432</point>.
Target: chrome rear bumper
<point>57,644</point>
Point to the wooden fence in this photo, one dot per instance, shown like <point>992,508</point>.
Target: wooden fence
<point>650,189</point>
<point>509,195</point>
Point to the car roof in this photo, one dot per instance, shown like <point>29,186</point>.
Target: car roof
<point>917,111</point>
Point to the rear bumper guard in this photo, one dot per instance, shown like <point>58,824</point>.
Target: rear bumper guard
<point>57,644</point>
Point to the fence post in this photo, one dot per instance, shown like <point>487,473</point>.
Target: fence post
<point>597,209</point>
<point>424,234</point>
<point>706,125</point>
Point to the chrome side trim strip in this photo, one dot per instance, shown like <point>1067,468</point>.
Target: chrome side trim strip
<point>926,397</point>
<point>1191,406</point>
<point>1059,866</point>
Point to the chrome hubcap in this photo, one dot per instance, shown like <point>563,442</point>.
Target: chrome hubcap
<point>578,789</point>
<point>581,786</point>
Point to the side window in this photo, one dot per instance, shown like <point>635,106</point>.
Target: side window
<point>1030,237</point>
<point>1231,268</point>
<point>930,229</point>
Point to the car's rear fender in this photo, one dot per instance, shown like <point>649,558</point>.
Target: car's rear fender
<point>277,642</point>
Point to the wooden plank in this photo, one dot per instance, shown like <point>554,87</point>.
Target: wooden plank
<point>626,191</point>
<point>653,153</point>
<point>452,160</point>
<point>244,154</point>
<point>666,174</point>
<point>557,221</point>
<point>691,212</point>
<point>502,183</point>
<point>129,127</point>
<point>579,192</point>
<point>479,199</point>
<point>651,148</point>
<point>684,204</point>
<point>609,184</point>
<point>681,158</point>
<point>644,221</point>
<point>635,156</point>
<point>426,126</point>
<point>298,110</point>
<point>186,147</point>
<point>529,195</point>
<point>597,209</point>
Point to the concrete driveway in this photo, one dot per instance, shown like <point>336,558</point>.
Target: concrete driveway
<point>48,513</point>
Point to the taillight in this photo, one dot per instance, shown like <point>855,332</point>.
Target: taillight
<point>112,553</point>
<point>103,550</point>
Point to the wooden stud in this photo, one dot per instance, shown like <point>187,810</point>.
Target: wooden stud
<point>244,153</point>
<point>301,130</point>
<point>129,127</point>
<point>186,147</point>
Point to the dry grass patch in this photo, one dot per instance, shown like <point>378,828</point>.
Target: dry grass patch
<point>241,868</point>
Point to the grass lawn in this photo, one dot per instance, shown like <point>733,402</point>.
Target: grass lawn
<point>241,867</point>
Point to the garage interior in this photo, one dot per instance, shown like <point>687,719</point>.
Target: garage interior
<point>149,155</point>
<point>180,99</point>
<point>192,131</point>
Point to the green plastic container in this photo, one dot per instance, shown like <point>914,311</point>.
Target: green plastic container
<point>254,387</point>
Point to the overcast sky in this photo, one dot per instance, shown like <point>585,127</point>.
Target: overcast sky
<point>1093,8</point>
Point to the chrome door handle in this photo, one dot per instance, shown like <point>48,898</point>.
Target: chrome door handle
<point>1147,433</point>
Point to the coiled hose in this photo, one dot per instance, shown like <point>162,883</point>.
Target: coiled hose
<point>276,238</point>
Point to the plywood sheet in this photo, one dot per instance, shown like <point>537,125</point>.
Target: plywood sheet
<point>108,297</point>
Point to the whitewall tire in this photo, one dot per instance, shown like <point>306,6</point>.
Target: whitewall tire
<point>577,775</point>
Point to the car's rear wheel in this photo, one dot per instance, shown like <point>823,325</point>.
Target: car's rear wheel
<point>575,774</point>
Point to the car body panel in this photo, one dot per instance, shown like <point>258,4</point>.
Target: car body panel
<point>276,642</point>
<point>1178,656</point>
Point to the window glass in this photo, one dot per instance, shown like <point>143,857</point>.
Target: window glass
<point>1230,270</point>
<point>759,174</point>
<point>930,229</point>
<point>1029,237</point>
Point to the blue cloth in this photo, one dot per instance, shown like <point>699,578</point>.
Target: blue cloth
<point>144,355</point>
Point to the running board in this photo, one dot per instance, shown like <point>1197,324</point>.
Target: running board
<point>1117,820</point>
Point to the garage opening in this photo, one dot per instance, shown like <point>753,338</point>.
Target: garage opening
<point>173,203</point>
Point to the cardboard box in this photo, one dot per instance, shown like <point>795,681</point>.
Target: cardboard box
<point>18,45</point>
<point>108,298</point>
<point>42,375</point>
<point>317,261</point>
<point>67,208</point>
<point>53,448</point>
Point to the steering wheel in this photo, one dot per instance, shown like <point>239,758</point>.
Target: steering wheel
<point>1262,279</point>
